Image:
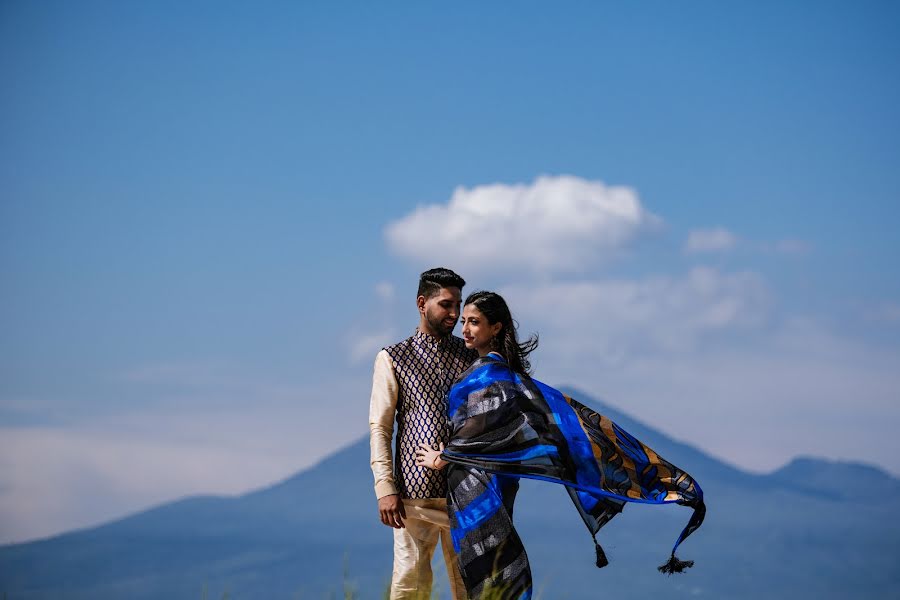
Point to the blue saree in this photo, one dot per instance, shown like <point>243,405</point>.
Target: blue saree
<point>504,426</point>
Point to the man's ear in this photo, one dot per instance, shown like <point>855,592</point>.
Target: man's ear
<point>420,303</point>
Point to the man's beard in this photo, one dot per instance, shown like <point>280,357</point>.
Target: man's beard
<point>438,325</point>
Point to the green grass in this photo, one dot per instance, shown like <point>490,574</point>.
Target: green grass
<point>350,591</point>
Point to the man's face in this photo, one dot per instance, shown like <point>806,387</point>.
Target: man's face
<point>442,310</point>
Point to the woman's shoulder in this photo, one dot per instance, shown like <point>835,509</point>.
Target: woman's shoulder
<point>485,361</point>
<point>484,370</point>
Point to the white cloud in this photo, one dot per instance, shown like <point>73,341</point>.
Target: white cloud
<point>555,224</point>
<point>615,319</point>
<point>710,240</point>
<point>884,313</point>
<point>385,290</point>
<point>705,358</point>
<point>364,346</point>
<point>60,478</point>
<point>720,239</point>
<point>364,342</point>
<point>181,428</point>
<point>703,355</point>
<point>787,246</point>
<point>87,472</point>
<point>795,389</point>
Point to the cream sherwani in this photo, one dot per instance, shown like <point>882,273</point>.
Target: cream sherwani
<point>409,386</point>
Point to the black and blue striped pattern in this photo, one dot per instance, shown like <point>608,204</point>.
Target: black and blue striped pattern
<point>505,426</point>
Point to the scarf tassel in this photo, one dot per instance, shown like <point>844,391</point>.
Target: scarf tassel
<point>602,561</point>
<point>675,566</point>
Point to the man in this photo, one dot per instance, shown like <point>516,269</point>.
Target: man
<point>410,383</point>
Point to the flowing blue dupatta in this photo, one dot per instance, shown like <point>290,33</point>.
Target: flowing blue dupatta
<point>506,425</point>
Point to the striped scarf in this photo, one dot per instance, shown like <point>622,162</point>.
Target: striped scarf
<point>505,426</point>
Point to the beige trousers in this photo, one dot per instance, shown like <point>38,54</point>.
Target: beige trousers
<point>426,522</point>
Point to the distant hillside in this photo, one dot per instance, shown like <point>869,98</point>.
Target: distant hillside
<point>801,531</point>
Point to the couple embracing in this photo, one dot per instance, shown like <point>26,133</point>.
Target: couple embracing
<point>470,422</point>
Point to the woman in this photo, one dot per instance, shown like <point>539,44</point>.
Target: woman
<point>506,425</point>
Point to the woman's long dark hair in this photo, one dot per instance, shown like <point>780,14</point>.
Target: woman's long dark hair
<point>506,342</point>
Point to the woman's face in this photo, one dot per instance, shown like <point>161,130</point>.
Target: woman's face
<point>476,330</point>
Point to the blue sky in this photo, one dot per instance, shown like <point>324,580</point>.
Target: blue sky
<point>197,198</point>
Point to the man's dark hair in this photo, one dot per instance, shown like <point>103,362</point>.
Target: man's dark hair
<point>432,280</point>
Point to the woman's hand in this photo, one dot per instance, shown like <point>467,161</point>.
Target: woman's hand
<point>427,456</point>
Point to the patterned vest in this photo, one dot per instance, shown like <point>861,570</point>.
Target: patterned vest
<point>425,368</point>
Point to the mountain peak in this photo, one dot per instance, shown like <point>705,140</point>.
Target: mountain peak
<point>836,477</point>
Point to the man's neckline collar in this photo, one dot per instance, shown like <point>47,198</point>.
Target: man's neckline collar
<point>431,339</point>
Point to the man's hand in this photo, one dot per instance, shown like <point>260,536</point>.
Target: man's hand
<point>391,510</point>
